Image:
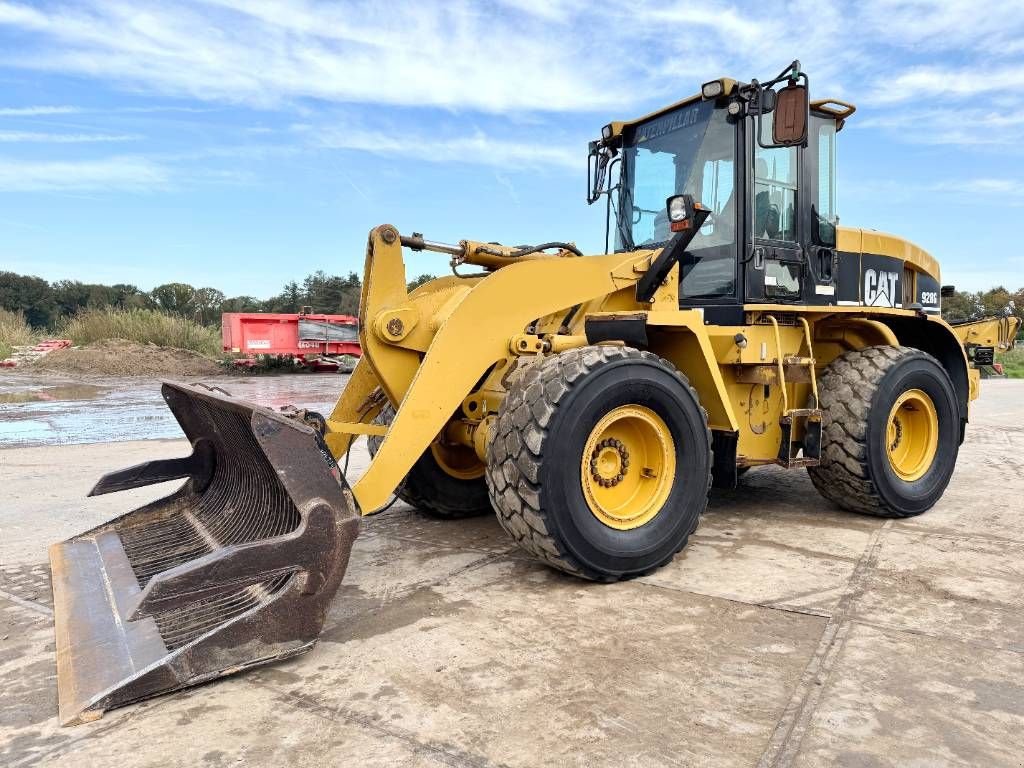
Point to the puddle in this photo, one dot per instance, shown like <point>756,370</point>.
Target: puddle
<point>39,410</point>
<point>50,394</point>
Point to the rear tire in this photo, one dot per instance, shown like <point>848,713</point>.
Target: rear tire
<point>431,489</point>
<point>890,432</point>
<point>557,434</point>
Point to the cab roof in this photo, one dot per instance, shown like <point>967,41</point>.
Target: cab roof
<point>840,110</point>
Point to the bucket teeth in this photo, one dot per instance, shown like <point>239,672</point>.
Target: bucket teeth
<point>235,568</point>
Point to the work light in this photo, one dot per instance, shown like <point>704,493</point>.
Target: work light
<point>677,209</point>
<point>681,209</point>
<point>712,90</point>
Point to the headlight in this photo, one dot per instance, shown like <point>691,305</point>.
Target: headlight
<point>677,209</point>
<point>712,90</point>
<point>684,213</point>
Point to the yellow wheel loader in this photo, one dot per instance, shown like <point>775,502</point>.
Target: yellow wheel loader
<point>983,337</point>
<point>589,401</point>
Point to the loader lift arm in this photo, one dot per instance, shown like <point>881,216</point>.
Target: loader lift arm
<point>427,386</point>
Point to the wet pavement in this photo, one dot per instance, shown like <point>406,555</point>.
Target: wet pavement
<point>51,410</point>
<point>788,633</point>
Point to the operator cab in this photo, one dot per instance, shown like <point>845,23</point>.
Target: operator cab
<point>761,158</point>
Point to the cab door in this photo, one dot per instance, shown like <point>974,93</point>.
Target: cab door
<point>776,261</point>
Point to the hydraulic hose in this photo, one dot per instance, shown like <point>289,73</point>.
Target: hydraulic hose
<point>545,246</point>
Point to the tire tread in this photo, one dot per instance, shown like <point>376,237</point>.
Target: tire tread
<point>516,448</point>
<point>845,392</point>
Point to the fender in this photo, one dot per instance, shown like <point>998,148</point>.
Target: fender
<point>934,336</point>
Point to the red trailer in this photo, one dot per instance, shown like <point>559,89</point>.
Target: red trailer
<point>319,341</point>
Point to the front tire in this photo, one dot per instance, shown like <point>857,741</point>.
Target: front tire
<point>445,482</point>
<point>891,432</point>
<point>600,462</point>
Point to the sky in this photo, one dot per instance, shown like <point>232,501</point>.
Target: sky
<point>240,144</point>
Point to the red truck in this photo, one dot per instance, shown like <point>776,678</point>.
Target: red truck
<point>318,341</point>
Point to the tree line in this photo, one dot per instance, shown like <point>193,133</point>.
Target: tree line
<point>44,304</point>
<point>964,305</point>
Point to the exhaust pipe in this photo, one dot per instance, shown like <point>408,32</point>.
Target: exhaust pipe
<point>234,569</point>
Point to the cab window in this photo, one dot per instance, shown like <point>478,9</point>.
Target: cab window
<point>692,151</point>
<point>825,215</point>
<point>775,189</point>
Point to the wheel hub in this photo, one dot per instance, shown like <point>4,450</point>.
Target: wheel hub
<point>628,467</point>
<point>912,435</point>
<point>609,462</point>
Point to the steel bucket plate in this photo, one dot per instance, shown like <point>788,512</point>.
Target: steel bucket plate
<point>234,569</point>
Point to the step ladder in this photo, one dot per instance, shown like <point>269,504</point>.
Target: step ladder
<point>806,451</point>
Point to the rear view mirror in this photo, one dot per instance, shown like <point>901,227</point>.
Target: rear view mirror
<point>790,124</point>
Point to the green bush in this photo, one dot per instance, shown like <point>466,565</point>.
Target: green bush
<point>1013,363</point>
<point>14,332</point>
<point>142,326</point>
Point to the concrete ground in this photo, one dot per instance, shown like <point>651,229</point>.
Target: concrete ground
<point>787,633</point>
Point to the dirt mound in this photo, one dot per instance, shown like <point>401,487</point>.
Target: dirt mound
<point>118,357</point>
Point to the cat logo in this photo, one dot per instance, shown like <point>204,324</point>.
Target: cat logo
<point>880,288</point>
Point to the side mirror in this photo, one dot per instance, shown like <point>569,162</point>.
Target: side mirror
<point>948,291</point>
<point>790,124</point>
<point>597,165</point>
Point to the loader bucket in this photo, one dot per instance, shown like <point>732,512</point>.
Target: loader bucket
<point>234,569</point>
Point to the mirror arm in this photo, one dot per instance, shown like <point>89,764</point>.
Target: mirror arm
<point>608,205</point>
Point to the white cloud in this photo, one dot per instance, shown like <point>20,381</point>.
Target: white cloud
<point>455,55</point>
<point>506,55</point>
<point>36,111</point>
<point>533,60</point>
<point>959,126</point>
<point>945,25</point>
<point>560,11</point>
<point>477,148</point>
<point>995,190</point>
<point>10,137</point>
<point>127,173</point>
<point>952,82</point>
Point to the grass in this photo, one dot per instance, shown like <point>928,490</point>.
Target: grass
<point>142,326</point>
<point>1013,361</point>
<point>14,332</point>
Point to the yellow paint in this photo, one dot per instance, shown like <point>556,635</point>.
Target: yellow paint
<point>628,466</point>
<point>974,380</point>
<point>356,404</point>
<point>853,240</point>
<point>840,110</point>
<point>394,325</point>
<point>912,435</point>
<point>779,354</point>
<point>459,461</point>
<point>845,110</point>
<point>687,346</point>
<point>998,332</point>
<point>446,371</point>
<point>728,85</point>
<point>469,341</point>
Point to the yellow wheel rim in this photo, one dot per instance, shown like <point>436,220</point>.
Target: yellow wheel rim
<point>912,435</point>
<point>459,461</point>
<point>628,467</point>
